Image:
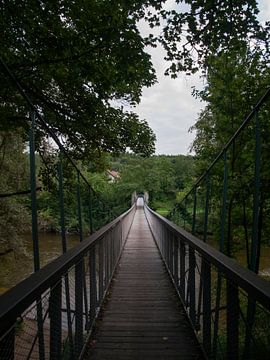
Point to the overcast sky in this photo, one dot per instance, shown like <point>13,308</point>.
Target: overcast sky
<point>169,107</point>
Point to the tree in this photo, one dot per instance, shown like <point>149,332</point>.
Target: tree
<point>75,58</point>
<point>161,176</point>
<point>208,28</point>
<point>14,216</point>
<point>235,82</point>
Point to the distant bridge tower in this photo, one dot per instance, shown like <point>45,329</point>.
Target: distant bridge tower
<point>146,197</point>
<point>133,197</point>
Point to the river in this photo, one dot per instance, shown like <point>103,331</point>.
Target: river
<point>16,267</point>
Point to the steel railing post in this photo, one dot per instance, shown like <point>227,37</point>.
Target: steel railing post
<point>171,250</point>
<point>224,203</point>
<point>206,280</point>
<point>191,286</point>
<point>55,313</point>
<point>254,263</point>
<point>64,249</point>
<point>185,212</point>
<point>78,308</point>
<point>61,201</point>
<point>90,209</point>
<point>232,321</point>
<point>34,193</point>
<point>176,260</point>
<point>69,318</point>
<point>206,208</point>
<point>194,211</point>
<point>100,270</point>
<point>35,230</point>
<point>182,271</point>
<point>93,284</point>
<point>79,207</point>
<point>255,244</point>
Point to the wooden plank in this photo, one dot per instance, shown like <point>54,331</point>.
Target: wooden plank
<point>139,339</point>
<point>142,317</point>
<point>124,354</point>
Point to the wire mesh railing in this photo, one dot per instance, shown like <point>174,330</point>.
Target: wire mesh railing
<point>50,314</point>
<point>228,306</point>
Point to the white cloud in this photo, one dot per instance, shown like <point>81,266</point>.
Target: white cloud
<point>168,106</point>
<point>170,110</point>
<point>264,6</point>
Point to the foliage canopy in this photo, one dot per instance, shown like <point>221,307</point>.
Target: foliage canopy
<point>77,59</point>
<point>74,58</point>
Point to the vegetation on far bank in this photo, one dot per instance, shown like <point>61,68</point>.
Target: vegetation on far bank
<point>162,176</point>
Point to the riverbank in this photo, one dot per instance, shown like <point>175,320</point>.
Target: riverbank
<point>14,266</point>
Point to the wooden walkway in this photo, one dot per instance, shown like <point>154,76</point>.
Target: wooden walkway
<point>143,318</point>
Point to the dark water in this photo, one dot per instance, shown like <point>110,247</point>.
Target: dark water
<point>14,267</point>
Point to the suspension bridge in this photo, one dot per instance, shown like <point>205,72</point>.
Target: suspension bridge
<point>143,286</point>
<point>140,287</point>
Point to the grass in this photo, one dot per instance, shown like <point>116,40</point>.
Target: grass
<point>162,211</point>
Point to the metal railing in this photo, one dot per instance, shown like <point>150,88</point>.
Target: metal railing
<point>71,187</point>
<point>228,206</point>
<point>49,314</point>
<point>220,319</point>
<point>66,294</point>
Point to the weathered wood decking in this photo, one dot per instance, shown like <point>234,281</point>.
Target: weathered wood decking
<point>143,318</point>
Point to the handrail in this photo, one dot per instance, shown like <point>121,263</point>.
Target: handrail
<point>228,306</point>
<point>228,202</point>
<point>14,300</point>
<point>246,278</point>
<point>108,242</point>
<point>105,247</point>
